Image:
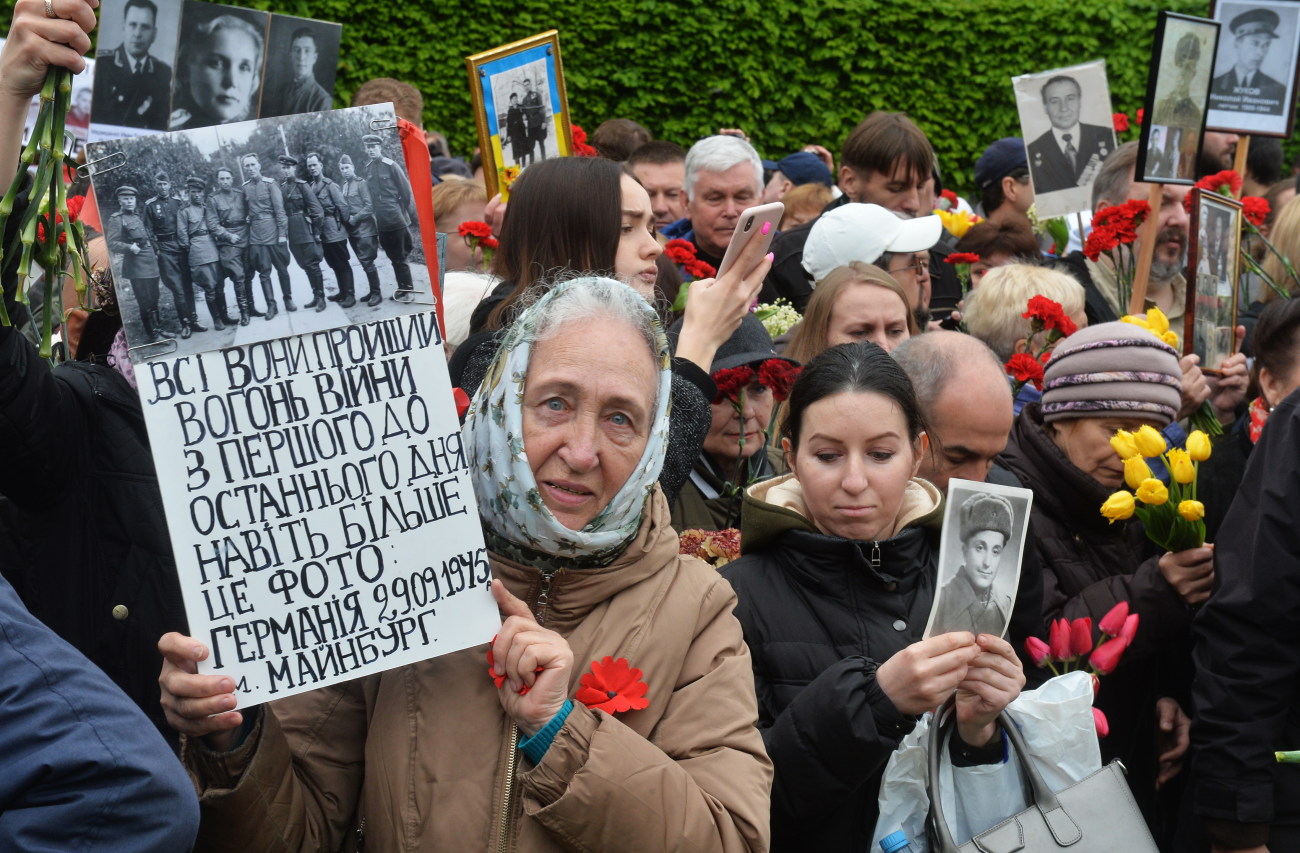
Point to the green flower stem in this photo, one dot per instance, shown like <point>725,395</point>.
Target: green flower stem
<point>1290,757</point>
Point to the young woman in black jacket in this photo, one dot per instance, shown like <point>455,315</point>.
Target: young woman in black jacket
<point>835,586</point>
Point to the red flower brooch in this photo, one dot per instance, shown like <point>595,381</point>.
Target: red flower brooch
<point>613,686</point>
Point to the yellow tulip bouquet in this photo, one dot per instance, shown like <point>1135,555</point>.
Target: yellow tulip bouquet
<point>1172,516</point>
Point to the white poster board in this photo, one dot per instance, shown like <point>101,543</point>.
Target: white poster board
<point>319,504</point>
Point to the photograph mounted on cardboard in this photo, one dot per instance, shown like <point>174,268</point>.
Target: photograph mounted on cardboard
<point>980,552</point>
<point>1178,91</point>
<point>1214,253</point>
<point>1065,120</point>
<point>1255,69</point>
<point>520,107</point>
<point>245,232</point>
<point>218,65</point>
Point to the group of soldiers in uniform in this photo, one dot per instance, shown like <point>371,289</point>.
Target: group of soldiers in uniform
<point>237,231</point>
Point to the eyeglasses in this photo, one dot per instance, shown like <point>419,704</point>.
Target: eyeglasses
<point>915,267</point>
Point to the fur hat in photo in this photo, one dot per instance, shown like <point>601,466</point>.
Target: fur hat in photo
<point>984,511</point>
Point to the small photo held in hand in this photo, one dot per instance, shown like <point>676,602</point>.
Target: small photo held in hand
<point>1210,318</point>
<point>980,553</point>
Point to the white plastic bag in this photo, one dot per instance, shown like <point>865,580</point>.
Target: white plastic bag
<point>1057,724</point>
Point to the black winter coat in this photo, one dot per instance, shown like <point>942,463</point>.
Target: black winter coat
<point>100,572</point>
<point>819,617</point>
<point>1088,566</point>
<point>1247,653</point>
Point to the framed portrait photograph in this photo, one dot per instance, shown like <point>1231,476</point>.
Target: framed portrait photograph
<point>520,107</point>
<point>980,552</point>
<point>132,88</point>
<point>219,65</point>
<point>302,57</point>
<point>241,233</point>
<point>1178,90</point>
<point>1214,255</point>
<point>1065,119</point>
<point>1255,67</point>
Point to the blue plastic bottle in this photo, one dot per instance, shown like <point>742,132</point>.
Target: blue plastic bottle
<point>896,842</point>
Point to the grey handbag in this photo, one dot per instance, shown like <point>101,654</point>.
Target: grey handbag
<point>1095,815</point>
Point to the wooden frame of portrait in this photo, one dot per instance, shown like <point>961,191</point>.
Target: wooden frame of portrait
<point>1259,123</point>
<point>1178,93</point>
<point>545,114</point>
<point>1213,267</point>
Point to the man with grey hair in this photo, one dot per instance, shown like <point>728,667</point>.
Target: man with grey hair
<point>1166,287</point>
<point>724,175</point>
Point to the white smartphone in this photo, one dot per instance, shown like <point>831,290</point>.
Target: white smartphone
<point>764,219</point>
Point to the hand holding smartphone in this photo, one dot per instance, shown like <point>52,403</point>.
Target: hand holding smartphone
<point>755,223</point>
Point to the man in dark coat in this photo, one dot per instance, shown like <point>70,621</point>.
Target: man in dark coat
<point>334,235</point>
<point>128,235</point>
<point>1070,154</point>
<point>305,214</point>
<point>162,210</point>
<point>1244,88</point>
<point>268,233</point>
<point>204,257</point>
<point>302,94</point>
<point>362,232</point>
<point>132,88</point>
<point>390,193</point>
<point>227,218</point>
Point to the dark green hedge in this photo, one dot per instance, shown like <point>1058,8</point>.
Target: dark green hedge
<point>790,71</point>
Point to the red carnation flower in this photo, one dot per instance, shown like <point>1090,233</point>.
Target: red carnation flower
<point>75,203</point>
<point>699,269</point>
<point>779,375</point>
<point>1050,314</point>
<point>1120,121</point>
<point>950,197</point>
<point>473,228</point>
<point>489,243</point>
<point>579,135</point>
<point>1023,367</point>
<point>1255,209</point>
<point>1100,239</point>
<point>730,382</point>
<point>962,258</point>
<point>1141,114</point>
<point>613,686</point>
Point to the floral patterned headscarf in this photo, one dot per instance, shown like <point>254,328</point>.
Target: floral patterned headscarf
<point>515,521</point>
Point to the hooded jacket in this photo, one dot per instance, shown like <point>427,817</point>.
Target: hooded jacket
<point>423,757</point>
<point>820,613</point>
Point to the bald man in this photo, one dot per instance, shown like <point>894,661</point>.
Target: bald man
<point>966,398</point>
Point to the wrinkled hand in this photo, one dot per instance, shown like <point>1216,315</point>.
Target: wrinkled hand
<point>920,677</point>
<point>1173,735</point>
<point>196,705</point>
<point>519,651</point>
<point>1195,389</point>
<point>36,42</point>
<point>1190,572</point>
<point>823,155</point>
<point>993,679</point>
<point>715,306</point>
<point>1228,389</point>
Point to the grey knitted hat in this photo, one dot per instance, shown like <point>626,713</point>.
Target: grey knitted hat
<point>1112,369</point>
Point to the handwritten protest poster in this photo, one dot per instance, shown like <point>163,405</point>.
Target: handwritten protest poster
<point>319,506</point>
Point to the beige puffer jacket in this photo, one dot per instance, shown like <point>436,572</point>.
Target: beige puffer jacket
<point>422,758</point>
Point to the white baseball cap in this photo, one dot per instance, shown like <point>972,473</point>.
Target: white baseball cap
<point>864,232</point>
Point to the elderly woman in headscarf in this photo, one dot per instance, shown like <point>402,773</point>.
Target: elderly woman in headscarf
<point>566,438</point>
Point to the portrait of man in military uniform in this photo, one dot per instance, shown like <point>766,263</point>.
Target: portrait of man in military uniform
<point>133,79</point>
<point>1255,68</point>
<point>979,562</point>
<point>301,59</point>
<point>1178,99</point>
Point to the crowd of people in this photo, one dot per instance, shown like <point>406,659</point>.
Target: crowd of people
<point>746,707</point>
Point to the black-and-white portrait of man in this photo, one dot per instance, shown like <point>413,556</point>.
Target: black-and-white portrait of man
<point>1255,67</point>
<point>979,564</point>
<point>133,81</point>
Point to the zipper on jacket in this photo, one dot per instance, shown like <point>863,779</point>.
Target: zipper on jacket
<point>544,595</point>
<point>503,838</point>
<point>361,835</point>
<point>875,555</point>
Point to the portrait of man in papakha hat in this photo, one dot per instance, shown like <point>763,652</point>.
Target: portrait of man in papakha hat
<point>970,601</point>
